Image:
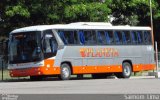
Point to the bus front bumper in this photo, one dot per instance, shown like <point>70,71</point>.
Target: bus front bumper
<point>34,71</point>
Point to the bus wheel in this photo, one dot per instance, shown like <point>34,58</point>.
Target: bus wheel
<point>126,71</point>
<point>65,72</point>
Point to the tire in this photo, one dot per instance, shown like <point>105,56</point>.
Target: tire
<point>126,71</point>
<point>65,72</point>
<point>99,76</point>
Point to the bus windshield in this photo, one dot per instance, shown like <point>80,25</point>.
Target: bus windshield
<point>25,47</point>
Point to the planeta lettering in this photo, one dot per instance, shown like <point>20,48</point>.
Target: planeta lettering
<point>100,52</point>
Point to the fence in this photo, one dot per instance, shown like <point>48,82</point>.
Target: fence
<point>3,60</point>
<point>4,74</point>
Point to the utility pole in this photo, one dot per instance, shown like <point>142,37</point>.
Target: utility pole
<point>156,50</point>
<point>156,74</point>
<point>151,19</point>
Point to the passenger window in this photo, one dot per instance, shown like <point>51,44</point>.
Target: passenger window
<point>61,34</point>
<point>134,37</point>
<point>47,44</point>
<point>50,44</point>
<point>109,37</point>
<point>75,37</point>
<point>118,37</point>
<point>126,37</point>
<point>139,37</point>
<point>101,37</point>
<point>81,37</point>
<point>69,37</point>
<point>89,37</point>
<point>147,37</point>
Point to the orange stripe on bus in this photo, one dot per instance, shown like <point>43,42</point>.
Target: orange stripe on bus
<point>143,67</point>
<point>110,69</point>
<point>96,69</point>
<point>149,67</point>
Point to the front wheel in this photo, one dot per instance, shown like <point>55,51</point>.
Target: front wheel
<point>126,71</point>
<point>65,72</point>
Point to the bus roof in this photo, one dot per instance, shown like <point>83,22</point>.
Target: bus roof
<point>78,26</point>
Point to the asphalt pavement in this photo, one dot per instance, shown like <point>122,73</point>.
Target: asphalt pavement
<point>134,85</point>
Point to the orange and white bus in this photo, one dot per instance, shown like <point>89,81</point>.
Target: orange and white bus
<point>80,48</point>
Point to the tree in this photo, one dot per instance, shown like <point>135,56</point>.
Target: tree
<point>87,10</point>
<point>22,13</point>
<point>132,12</point>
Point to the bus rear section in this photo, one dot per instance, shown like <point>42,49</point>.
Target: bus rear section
<point>104,52</point>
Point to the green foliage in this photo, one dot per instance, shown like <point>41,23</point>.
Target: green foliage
<point>17,10</point>
<point>20,13</point>
<point>94,11</point>
<point>133,12</point>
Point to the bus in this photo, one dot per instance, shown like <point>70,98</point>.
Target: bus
<point>63,50</point>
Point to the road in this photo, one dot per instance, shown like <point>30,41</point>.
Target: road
<point>85,86</point>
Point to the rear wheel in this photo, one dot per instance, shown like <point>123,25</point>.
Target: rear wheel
<point>126,71</point>
<point>65,72</point>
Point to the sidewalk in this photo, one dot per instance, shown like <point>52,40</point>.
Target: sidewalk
<point>142,77</point>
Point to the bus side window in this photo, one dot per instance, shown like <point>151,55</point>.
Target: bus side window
<point>93,38</point>
<point>139,37</point>
<point>126,37</point>
<point>50,45</point>
<point>134,37</point>
<point>109,37</point>
<point>81,37</point>
<point>54,45</point>
<point>101,37</point>
<point>147,37</point>
<point>69,37</point>
<point>75,37</point>
<point>118,37</point>
<point>62,36</point>
<point>90,37</point>
<point>47,47</point>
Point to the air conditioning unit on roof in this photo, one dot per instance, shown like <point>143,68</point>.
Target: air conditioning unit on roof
<point>92,23</point>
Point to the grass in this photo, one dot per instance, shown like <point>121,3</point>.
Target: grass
<point>6,76</point>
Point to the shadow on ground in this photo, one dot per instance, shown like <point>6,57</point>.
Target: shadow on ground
<point>50,79</point>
